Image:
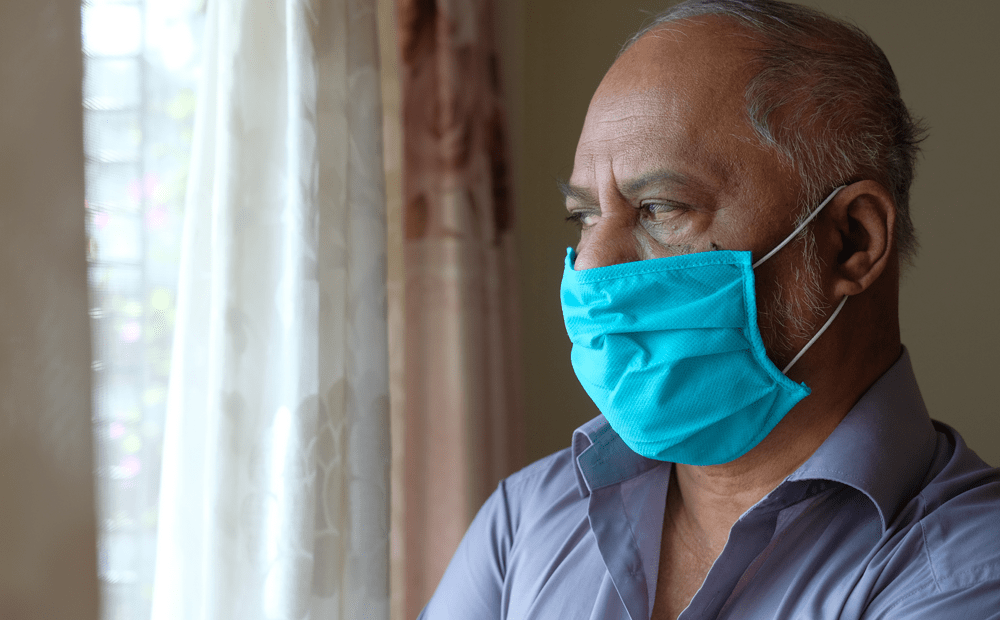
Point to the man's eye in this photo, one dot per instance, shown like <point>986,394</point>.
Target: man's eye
<point>580,219</point>
<point>660,211</point>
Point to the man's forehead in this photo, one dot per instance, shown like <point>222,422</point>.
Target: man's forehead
<point>675,83</point>
<point>673,101</point>
<point>645,132</point>
<point>662,112</point>
<point>620,104</point>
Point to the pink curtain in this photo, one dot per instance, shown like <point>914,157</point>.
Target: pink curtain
<point>463,423</point>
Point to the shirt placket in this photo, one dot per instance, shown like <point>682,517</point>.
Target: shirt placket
<point>748,538</point>
<point>619,550</point>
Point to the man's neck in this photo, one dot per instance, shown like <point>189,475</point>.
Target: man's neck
<point>711,498</point>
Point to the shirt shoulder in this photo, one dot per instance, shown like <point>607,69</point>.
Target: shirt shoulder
<point>961,528</point>
<point>952,546</point>
<point>476,582</point>
<point>541,490</point>
<point>557,468</point>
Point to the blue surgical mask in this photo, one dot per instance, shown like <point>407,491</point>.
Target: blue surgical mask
<point>670,351</point>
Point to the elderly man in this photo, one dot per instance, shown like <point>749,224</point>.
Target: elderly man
<point>741,185</point>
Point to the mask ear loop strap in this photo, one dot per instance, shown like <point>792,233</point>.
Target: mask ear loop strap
<point>816,337</point>
<point>801,226</point>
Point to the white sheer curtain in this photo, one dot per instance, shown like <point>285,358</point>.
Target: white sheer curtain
<point>274,495</point>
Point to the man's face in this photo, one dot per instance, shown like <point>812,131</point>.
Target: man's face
<point>668,164</point>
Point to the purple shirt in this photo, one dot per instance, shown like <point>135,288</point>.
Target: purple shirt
<point>892,517</point>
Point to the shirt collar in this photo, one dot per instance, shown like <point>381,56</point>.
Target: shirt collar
<point>603,459</point>
<point>882,448</point>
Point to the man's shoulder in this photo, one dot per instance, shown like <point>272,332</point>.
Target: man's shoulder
<point>945,551</point>
<point>545,491</point>
<point>961,514</point>
<point>553,474</point>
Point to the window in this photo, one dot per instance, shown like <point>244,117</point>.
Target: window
<point>140,73</point>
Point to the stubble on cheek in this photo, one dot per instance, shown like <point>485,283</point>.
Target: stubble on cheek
<point>787,317</point>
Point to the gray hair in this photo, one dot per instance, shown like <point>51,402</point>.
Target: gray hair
<point>825,98</point>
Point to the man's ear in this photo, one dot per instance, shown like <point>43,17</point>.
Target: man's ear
<point>864,217</point>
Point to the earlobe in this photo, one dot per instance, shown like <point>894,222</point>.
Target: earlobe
<point>864,214</point>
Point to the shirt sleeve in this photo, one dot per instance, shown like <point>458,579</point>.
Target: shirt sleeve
<point>472,586</point>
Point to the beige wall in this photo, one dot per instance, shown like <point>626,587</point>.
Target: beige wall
<point>47,525</point>
<point>945,55</point>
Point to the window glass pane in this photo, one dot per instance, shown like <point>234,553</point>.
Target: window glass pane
<point>113,135</point>
<point>141,69</point>
<point>112,185</point>
<point>111,83</point>
<point>115,237</point>
<point>111,29</point>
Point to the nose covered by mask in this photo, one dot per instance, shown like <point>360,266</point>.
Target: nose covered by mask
<point>670,351</point>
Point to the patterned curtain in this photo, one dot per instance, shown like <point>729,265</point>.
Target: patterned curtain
<point>274,495</point>
<point>463,427</point>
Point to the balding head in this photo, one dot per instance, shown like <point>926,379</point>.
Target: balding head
<point>822,94</point>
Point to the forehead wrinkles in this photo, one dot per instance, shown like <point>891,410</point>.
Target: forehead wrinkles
<point>672,113</point>
<point>656,107</point>
<point>614,103</point>
<point>653,128</point>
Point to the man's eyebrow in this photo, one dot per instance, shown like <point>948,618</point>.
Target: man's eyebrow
<point>656,177</point>
<point>631,187</point>
<point>580,194</point>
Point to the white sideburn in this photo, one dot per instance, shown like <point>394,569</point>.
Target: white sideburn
<point>786,242</point>
<point>816,337</point>
<point>805,223</point>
